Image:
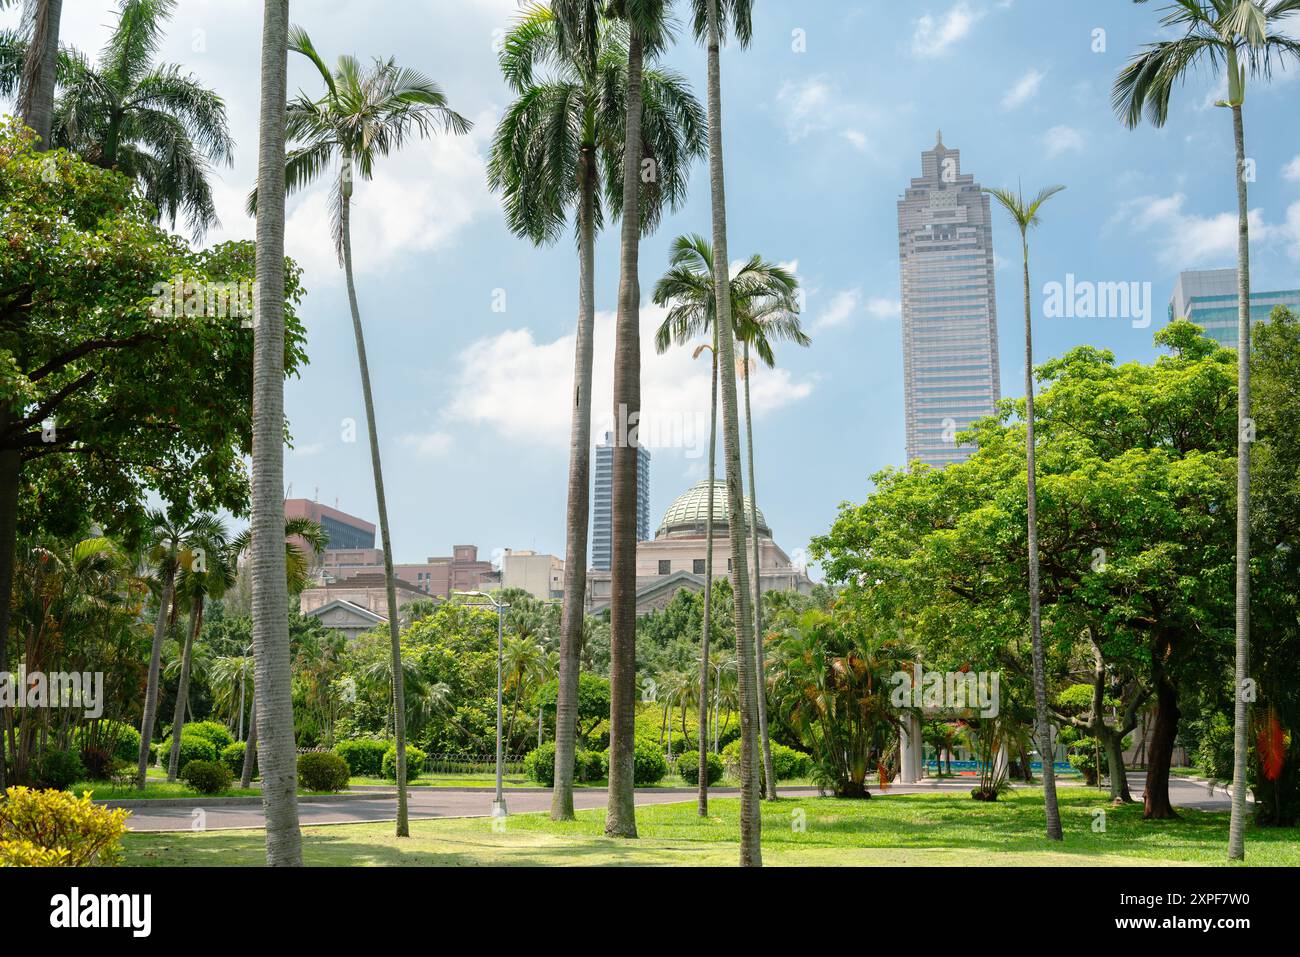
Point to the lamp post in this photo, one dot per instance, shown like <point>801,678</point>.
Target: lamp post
<point>499,803</point>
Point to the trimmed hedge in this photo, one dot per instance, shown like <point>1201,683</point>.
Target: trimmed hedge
<point>787,763</point>
<point>650,765</point>
<point>194,747</point>
<point>415,759</point>
<point>232,756</point>
<point>206,777</point>
<point>214,731</point>
<point>590,766</point>
<point>322,771</point>
<point>365,756</point>
<point>539,765</point>
<point>688,766</point>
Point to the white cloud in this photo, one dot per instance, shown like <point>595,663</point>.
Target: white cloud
<point>857,138</point>
<point>1292,170</point>
<point>1023,90</point>
<point>521,387</point>
<point>1189,239</point>
<point>840,311</point>
<point>934,35</point>
<point>808,106</point>
<point>883,308</point>
<point>1062,139</point>
<point>427,445</point>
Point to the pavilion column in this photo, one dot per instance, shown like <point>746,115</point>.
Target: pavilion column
<point>908,750</point>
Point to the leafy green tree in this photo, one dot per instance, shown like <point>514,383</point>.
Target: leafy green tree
<point>1025,216</point>
<point>1245,39</point>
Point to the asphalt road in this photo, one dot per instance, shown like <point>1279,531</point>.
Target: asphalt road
<point>441,802</point>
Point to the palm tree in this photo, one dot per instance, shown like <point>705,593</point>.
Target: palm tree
<point>1244,38</point>
<point>174,535</point>
<point>1025,216</point>
<point>524,662</point>
<point>150,121</point>
<point>364,114</point>
<point>712,19</point>
<point>764,307</point>
<point>29,60</point>
<point>210,573</point>
<point>559,146</point>
<point>644,190</point>
<point>276,754</point>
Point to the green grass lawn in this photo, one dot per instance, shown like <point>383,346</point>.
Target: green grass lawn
<point>922,829</point>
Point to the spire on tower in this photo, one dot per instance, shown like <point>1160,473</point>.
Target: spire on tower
<point>938,138</point>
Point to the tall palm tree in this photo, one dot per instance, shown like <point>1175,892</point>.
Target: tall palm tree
<point>276,753</point>
<point>712,20</point>
<point>174,535</point>
<point>1244,39</point>
<point>152,122</point>
<point>772,313</point>
<point>364,114</point>
<point>642,186</point>
<point>209,574</point>
<point>764,307</point>
<point>559,147</point>
<point>1025,216</point>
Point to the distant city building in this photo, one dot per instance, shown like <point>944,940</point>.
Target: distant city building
<point>343,530</point>
<point>676,557</point>
<point>602,502</point>
<point>437,576</point>
<point>356,605</point>
<point>1208,297</point>
<point>950,320</point>
<point>542,576</point>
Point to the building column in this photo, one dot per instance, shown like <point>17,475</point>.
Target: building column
<point>908,750</point>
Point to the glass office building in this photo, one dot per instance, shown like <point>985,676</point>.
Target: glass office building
<point>1208,297</point>
<point>602,503</point>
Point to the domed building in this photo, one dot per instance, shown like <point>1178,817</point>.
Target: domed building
<point>676,557</point>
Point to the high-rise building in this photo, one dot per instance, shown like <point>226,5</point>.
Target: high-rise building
<point>341,529</point>
<point>1208,297</point>
<point>950,318</point>
<point>602,502</point>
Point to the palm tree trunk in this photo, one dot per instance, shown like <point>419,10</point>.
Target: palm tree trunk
<point>579,507</point>
<point>250,750</point>
<point>183,687</point>
<point>381,504</point>
<point>760,665</point>
<point>155,660</point>
<point>751,851</point>
<point>1035,616</point>
<point>11,464</point>
<point>278,759</point>
<point>36,97</point>
<point>706,633</point>
<point>620,815</point>
<point>1237,825</point>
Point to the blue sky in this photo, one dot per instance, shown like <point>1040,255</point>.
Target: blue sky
<point>826,116</point>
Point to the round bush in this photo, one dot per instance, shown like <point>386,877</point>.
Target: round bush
<point>206,777</point>
<point>787,763</point>
<point>688,766</point>
<point>214,731</point>
<point>232,756</point>
<point>322,771</point>
<point>365,757</point>
<point>194,747</point>
<point>57,769</point>
<point>539,765</point>
<point>590,766</point>
<point>650,765</point>
<point>414,763</point>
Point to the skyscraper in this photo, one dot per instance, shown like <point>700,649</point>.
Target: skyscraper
<point>950,317</point>
<point>1208,297</point>
<point>602,502</point>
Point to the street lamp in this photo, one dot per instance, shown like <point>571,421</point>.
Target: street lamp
<point>499,804</point>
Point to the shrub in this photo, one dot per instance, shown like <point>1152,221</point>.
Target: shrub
<point>232,756</point>
<point>365,757</point>
<point>55,827</point>
<point>206,777</point>
<point>322,771</point>
<point>57,769</point>
<point>539,765</point>
<point>688,766</point>
<point>194,747</point>
<point>650,765</point>
<point>214,731</point>
<point>590,766</point>
<point>787,763</point>
<point>120,739</point>
<point>97,762</point>
<point>414,763</point>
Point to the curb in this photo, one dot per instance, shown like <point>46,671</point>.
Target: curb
<point>240,801</point>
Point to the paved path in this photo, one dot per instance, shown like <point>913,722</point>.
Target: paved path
<point>427,803</point>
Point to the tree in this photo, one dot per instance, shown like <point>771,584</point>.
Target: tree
<point>151,122</point>
<point>364,114</point>
<point>558,147</point>
<point>276,753</point>
<point>711,20</point>
<point>1244,39</point>
<point>1025,216</point>
<point>28,62</point>
<point>764,307</point>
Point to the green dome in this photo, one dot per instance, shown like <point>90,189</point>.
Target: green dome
<point>688,516</point>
